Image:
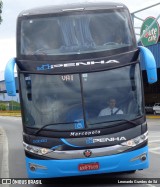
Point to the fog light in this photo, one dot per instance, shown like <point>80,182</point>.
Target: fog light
<point>141,157</point>
<point>33,167</point>
<point>144,157</point>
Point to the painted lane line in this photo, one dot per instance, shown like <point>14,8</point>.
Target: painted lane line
<point>154,148</point>
<point>151,185</point>
<point>153,141</point>
<point>155,152</point>
<point>5,165</point>
<point>10,118</point>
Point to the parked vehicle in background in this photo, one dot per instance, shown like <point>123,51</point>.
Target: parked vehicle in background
<point>156,108</point>
<point>149,109</point>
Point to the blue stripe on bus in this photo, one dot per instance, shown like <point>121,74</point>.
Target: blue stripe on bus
<point>55,147</point>
<point>67,143</point>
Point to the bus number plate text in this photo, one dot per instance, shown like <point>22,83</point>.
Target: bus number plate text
<point>88,166</point>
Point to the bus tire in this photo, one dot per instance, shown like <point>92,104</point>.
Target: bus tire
<point>132,171</point>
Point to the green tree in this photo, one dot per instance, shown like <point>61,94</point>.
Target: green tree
<point>2,106</point>
<point>1,5</point>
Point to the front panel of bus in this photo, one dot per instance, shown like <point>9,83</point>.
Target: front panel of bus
<point>70,64</point>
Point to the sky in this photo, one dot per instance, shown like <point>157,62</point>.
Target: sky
<point>11,9</point>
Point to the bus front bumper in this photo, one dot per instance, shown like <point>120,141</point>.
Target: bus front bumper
<point>128,161</point>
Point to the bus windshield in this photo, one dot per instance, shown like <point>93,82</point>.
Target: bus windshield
<point>64,100</point>
<point>79,33</point>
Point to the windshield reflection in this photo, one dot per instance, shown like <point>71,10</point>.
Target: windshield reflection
<point>77,33</point>
<point>117,92</point>
<point>106,97</point>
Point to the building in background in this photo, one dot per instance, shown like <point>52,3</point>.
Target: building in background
<point>8,102</point>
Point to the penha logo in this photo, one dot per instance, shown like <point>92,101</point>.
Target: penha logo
<point>102,140</point>
<point>152,35</point>
<point>74,64</point>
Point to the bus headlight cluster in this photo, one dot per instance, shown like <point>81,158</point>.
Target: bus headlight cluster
<point>36,149</point>
<point>135,141</point>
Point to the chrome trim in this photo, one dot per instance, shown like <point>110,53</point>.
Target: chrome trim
<point>75,154</point>
<point>96,152</point>
<point>72,9</point>
<point>37,166</point>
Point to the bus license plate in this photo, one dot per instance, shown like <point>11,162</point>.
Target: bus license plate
<point>88,166</point>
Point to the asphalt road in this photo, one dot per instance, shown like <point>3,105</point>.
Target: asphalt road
<point>12,158</point>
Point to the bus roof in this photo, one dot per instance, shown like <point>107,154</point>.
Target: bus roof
<point>71,7</point>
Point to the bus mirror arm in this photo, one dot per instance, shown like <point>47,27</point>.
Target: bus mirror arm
<point>150,64</point>
<point>9,77</point>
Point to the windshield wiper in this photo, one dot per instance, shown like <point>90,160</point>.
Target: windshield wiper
<point>125,120</point>
<point>41,51</point>
<point>129,121</point>
<point>43,127</point>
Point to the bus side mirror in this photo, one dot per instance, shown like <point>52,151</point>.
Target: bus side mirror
<point>9,78</point>
<point>150,64</point>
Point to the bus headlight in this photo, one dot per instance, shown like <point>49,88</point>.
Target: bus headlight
<point>135,141</point>
<point>36,149</point>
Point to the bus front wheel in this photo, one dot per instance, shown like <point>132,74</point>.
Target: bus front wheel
<point>132,171</point>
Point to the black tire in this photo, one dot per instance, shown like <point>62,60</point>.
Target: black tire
<point>155,113</point>
<point>132,171</point>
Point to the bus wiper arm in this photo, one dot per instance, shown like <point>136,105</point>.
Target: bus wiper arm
<point>41,51</point>
<point>129,121</point>
<point>43,127</point>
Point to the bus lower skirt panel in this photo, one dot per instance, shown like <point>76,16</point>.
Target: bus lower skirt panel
<point>129,161</point>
